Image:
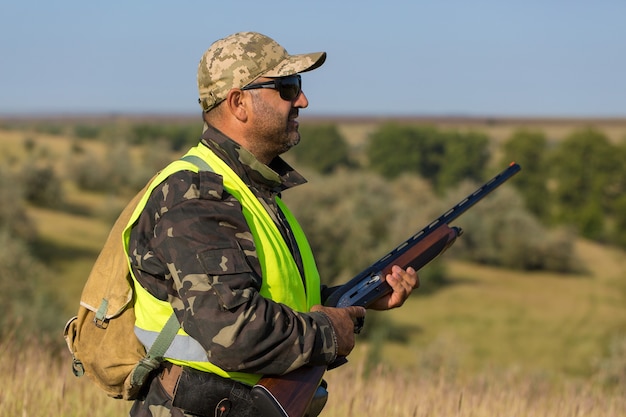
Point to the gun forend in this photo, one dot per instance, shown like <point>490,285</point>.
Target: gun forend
<point>370,285</point>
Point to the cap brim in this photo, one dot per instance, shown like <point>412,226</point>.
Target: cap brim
<point>295,64</point>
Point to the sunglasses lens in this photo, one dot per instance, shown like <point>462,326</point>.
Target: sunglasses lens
<point>289,87</point>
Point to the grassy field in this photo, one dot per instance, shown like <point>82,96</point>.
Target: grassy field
<point>494,343</point>
<point>46,386</point>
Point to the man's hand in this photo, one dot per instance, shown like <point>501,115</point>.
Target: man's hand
<point>402,282</point>
<point>343,321</point>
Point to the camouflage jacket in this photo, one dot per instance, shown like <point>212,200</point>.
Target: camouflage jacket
<point>264,337</point>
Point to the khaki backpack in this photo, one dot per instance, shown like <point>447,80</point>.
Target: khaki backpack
<point>101,337</point>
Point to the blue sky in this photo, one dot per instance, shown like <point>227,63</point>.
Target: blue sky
<point>409,57</point>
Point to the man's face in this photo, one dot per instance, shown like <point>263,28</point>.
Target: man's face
<point>274,121</point>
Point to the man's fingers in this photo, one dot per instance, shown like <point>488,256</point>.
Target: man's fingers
<point>356,312</point>
<point>413,278</point>
<point>407,280</point>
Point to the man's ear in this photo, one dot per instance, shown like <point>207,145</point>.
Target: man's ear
<point>236,104</point>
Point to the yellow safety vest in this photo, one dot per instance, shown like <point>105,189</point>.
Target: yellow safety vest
<point>282,281</point>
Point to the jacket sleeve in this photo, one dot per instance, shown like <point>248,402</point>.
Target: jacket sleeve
<point>193,247</point>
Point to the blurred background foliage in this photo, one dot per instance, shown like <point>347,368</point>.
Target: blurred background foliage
<point>361,201</point>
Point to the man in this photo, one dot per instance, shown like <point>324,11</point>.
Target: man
<point>214,244</point>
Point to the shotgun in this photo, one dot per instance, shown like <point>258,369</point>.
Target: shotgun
<point>290,395</point>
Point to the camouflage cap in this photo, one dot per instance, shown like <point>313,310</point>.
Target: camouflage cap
<point>239,59</point>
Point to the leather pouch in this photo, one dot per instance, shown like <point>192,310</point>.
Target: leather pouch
<point>206,394</point>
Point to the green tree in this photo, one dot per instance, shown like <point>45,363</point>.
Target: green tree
<point>445,158</point>
<point>618,204</point>
<point>322,148</point>
<point>153,159</point>
<point>396,149</point>
<point>13,219</point>
<point>83,131</point>
<point>42,186</point>
<point>530,149</point>
<point>586,168</point>
<point>618,235</point>
<point>501,231</point>
<point>29,302</point>
<point>119,165</point>
<point>24,299</point>
<point>109,172</point>
<point>618,180</point>
<point>179,136</point>
<point>465,157</point>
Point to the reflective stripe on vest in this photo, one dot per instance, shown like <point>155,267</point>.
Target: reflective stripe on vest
<point>282,282</point>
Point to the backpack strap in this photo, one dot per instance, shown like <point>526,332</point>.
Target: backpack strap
<point>197,161</point>
<point>154,357</point>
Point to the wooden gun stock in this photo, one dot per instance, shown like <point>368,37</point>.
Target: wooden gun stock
<point>290,395</point>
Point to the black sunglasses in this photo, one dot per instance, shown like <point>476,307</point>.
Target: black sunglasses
<point>288,87</point>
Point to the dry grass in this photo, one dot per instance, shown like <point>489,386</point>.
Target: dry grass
<point>35,382</point>
<point>489,394</point>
